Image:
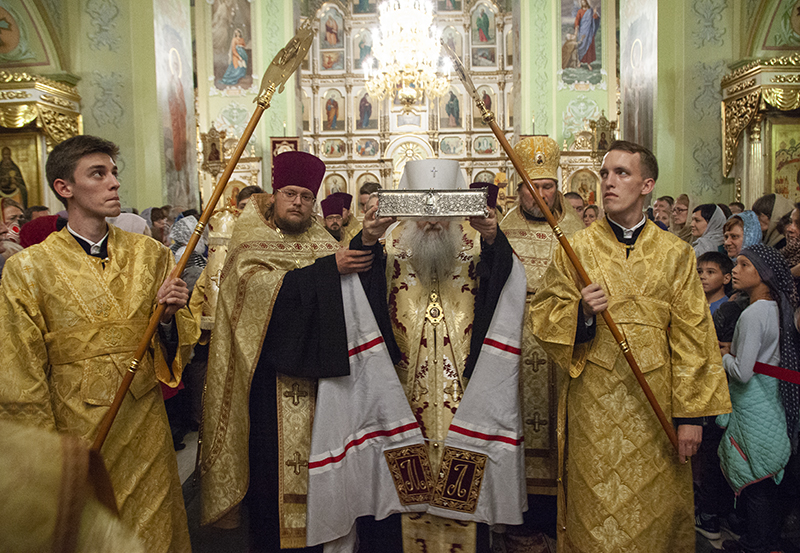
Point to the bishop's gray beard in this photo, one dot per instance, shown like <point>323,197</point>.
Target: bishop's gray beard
<point>434,253</point>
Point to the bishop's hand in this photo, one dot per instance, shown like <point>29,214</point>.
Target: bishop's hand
<point>353,261</point>
<point>487,226</point>
<point>374,227</point>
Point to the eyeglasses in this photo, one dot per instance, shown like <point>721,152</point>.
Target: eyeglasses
<point>291,195</point>
<point>680,209</point>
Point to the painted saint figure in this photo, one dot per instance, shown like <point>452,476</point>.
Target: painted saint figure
<point>331,31</point>
<point>364,50</point>
<point>177,110</point>
<point>11,182</point>
<point>453,111</point>
<point>483,26</point>
<point>332,109</point>
<point>237,60</point>
<point>364,112</point>
<point>587,21</point>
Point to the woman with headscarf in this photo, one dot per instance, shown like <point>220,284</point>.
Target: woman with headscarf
<point>706,227</point>
<point>180,234</point>
<point>792,250</point>
<point>681,211</point>
<point>740,231</point>
<point>761,431</point>
<point>770,208</point>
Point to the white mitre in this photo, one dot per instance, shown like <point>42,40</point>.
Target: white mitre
<point>436,174</point>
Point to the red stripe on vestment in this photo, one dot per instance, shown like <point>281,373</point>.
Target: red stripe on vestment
<point>361,440</point>
<point>777,372</point>
<point>487,437</point>
<point>502,346</point>
<point>363,347</point>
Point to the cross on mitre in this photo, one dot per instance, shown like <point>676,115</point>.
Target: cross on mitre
<point>432,174</point>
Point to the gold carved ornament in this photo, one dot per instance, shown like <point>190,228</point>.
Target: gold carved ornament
<point>16,116</point>
<point>57,126</point>
<point>785,99</point>
<point>736,116</point>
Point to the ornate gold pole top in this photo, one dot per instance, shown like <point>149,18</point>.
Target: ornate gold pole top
<point>285,63</point>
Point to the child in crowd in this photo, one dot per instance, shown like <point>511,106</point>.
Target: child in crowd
<point>714,269</point>
<point>761,430</point>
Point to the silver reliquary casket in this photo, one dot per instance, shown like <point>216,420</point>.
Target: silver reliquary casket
<point>433,203</point>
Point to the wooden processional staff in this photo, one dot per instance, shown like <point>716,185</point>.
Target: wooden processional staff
<point>282,67</point>
<point>488,118</point>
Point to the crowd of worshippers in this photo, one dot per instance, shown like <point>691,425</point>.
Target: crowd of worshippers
<point>389,384</point>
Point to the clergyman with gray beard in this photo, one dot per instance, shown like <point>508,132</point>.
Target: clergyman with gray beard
<point>438,283</point>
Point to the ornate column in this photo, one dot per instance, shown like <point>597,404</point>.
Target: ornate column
<point>754,187</point>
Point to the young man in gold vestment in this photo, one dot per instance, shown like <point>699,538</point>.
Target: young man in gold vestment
<point>72,311</point>
<point>534,243</point>
<point>624,486</point>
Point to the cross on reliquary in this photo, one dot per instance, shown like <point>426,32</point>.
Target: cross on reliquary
<point>433,171</point>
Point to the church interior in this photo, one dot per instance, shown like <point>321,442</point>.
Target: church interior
<point>711,86</point>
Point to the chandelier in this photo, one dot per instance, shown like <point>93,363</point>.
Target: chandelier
<point>406,54</point>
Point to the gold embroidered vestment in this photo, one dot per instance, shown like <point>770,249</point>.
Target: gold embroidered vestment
<point>624,487</point>
<point>259,256</point>
<point>432,365</point>
<point>534,244</point>
<point>70,326</point>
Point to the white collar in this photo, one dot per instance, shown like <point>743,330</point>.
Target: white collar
<point>94,247</point>
<point>628,232</point>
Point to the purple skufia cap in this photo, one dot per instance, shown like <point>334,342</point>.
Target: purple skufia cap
<point>347,199</point>
<point>491,192</point>
<point>332,205</point>
<point>297,169</point>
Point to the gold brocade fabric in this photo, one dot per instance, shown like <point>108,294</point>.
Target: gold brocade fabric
<point>624,487</point>
<point>534,244</point>
<point>258,258</point>
<point>349,232</point>
<point>70,326</point>
<point>432,364</point>
<point>48,502</point>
